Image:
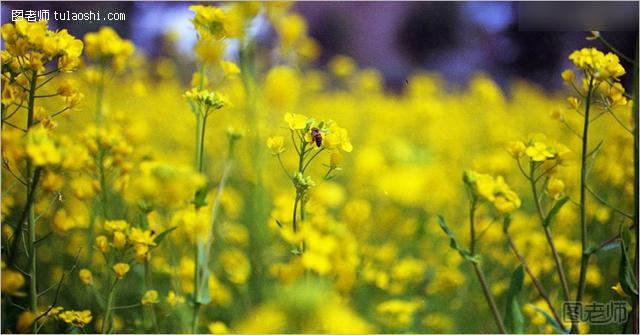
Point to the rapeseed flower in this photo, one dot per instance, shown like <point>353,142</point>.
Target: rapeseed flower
<point>150,297</point>
<point>121,269</point>
<point>77,319</point>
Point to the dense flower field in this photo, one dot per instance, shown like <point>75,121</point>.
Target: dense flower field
<point>268,195</point>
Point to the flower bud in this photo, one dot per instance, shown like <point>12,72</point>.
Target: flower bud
<point>516,149</point>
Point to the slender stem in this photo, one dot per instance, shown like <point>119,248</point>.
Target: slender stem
<point>616,51</point>
<point>199,163</point>
<point>549,237</point>
<point>536,282</point>
<point>107,312</point>
<point>604,202</point>
<point>200,123</point>
<point>295,213</point>
<point>31,226</point>
<point>490,301</point>
<point>214,212</point>
<point>472,227</point>
<point>310,159</point>
<point>479,274</point>
<point>583,191</point>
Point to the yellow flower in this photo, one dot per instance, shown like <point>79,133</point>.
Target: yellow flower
<point>494,190</point>
<point>539,152</point>
<point>145,237</point>
<point>295,121</point>
<point>568,75</point>
<point>121,269</point>
<point>599,65</point>
<point>150,297</point>
<point>282,87</point>
<point>573,102</point>
<point>76,318</point>
<point>12,282</point>
<point>555,187</point>
<point>276,144</point>
<point>335,159</point>
<point>338,137</point>
<point>173,299</point>
<point>218,327</point>
<point>209,21</point>
<point>397,313</point>
<point>342,66</point>
<point>85,276</point>
<point>119,240</point>
<point>207,99</point>
<point>41,148</point>
<point>116,225</point>
<point>107,45</point>
<point>292,28</point>
<point>25,321</point>
<point>102,243</point>
<point>229,68</point>
<point>516,149</point>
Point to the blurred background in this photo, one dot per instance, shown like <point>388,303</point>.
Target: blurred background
<point>507,40</point>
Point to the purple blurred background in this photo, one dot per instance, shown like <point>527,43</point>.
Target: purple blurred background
<point>455,39</point>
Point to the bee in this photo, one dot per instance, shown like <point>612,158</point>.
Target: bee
<point>316,136</point>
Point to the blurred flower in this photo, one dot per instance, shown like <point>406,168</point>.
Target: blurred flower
<point>121,269</point>
<point>150,297</point>
<point>76,318</point>
<point>85,276</point>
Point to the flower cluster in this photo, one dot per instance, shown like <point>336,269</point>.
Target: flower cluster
<point>494,190</point>
<point>32,46</point>
<point>597,64</point>
<point>106,47</point>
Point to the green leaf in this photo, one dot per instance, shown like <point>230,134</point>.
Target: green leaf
<point>554,210</point>
<point>514,321</point>
<point>200,199</point>
<point>454,242</point>
<point>550,320</point>
<point>626,276</point>
<point>163,235</point>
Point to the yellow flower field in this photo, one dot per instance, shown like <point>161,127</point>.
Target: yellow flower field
<point>266,194</point>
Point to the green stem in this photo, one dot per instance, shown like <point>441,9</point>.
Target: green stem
<point>534,280</point>
<point>31,226</point>
<point>107,312</point>
<point>199,164</point>
<point>616,51</point>
<point>472,227</point>
<point>200,126</point>
<point>583,191</point>
<point>483,281</point>
<point>489,298</point>
<point>549,237</point>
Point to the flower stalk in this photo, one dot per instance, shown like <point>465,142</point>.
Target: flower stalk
<point>547,233</point>
<point>476,267</point>
<point>584,260</point>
